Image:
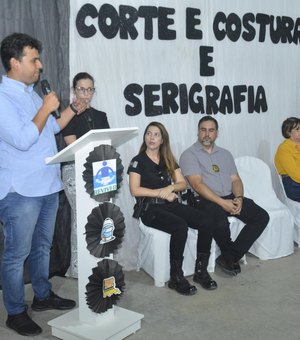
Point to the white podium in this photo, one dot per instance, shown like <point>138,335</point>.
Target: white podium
<point>83,323</point>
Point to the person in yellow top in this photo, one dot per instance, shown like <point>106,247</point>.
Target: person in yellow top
<point>287,158</point>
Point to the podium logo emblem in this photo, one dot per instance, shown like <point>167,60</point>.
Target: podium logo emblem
<point>104,176</point>
<point>107,233</point>
<point>109,287</point>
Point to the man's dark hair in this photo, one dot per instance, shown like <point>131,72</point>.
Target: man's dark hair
<point>288,125</point>
<point>13,47</point>
<point>206,119</point>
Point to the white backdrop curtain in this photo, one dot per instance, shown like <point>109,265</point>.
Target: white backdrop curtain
<point>116,62</point>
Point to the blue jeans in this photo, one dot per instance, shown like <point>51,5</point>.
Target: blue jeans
<point>28,227</point>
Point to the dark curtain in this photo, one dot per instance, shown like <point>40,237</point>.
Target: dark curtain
<point>48,21</point>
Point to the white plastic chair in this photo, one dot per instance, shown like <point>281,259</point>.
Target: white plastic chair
<point>294,209</point>
<point>153,251</point>
<point>277,240</point>
<point>153,254</point>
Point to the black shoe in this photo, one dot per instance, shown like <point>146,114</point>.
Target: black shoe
<point>23,324</point>
<point>182,287</point>
<point>205,281</point>
<point>226,265</point>
<point>201,274</point>
<point>178,281</point>
<point>52,302</point>
<point>237,267</point>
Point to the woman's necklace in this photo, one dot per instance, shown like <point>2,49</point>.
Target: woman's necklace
<point>88,115</point>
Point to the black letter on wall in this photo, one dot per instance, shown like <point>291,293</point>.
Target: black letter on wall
<point>205,59</point>
<point>86,10</point>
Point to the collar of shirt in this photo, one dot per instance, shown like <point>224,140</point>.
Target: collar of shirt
<point>16,84</point>
<point>291,144</point>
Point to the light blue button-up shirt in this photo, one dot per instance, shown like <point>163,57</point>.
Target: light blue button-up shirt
<point>22,149</point>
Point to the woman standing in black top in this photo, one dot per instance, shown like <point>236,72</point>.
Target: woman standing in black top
<point>84,89</point>
<point>155,178</point>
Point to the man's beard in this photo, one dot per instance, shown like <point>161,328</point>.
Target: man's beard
<point>207,142</point>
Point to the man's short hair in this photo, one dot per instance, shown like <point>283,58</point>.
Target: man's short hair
<point>13,47</point>
<point>206,119</point>
<point>288,125</point>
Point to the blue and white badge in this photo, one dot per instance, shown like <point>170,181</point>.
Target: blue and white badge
<point>107,233</point>
<point>104,176</point>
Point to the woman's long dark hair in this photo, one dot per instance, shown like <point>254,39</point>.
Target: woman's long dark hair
<point>164,150</point>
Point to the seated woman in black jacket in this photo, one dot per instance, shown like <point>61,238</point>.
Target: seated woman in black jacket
<point>155,178</point>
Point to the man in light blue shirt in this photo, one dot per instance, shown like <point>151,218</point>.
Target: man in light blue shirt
<point>23,148</point>
<point>28,187</point>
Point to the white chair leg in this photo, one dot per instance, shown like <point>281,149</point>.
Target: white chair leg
<point>243,260</point>
<point>212,258</point>
<point>159,284</point>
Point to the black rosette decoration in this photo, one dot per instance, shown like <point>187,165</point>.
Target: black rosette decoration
<point>106,175</point>
<point>105,286</point>
<point>105,229</point>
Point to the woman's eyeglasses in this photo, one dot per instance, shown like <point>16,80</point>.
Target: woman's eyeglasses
<point>83,90</point>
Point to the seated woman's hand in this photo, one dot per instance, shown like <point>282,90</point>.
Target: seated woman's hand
<point>165,192</point>
<point>172,197</point>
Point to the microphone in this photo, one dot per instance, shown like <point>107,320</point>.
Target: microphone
<point>46,89</point>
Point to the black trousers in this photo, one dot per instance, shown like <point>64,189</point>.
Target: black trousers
<point>291,188</point>
<point>174,219</point>
<point>254,217</point>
